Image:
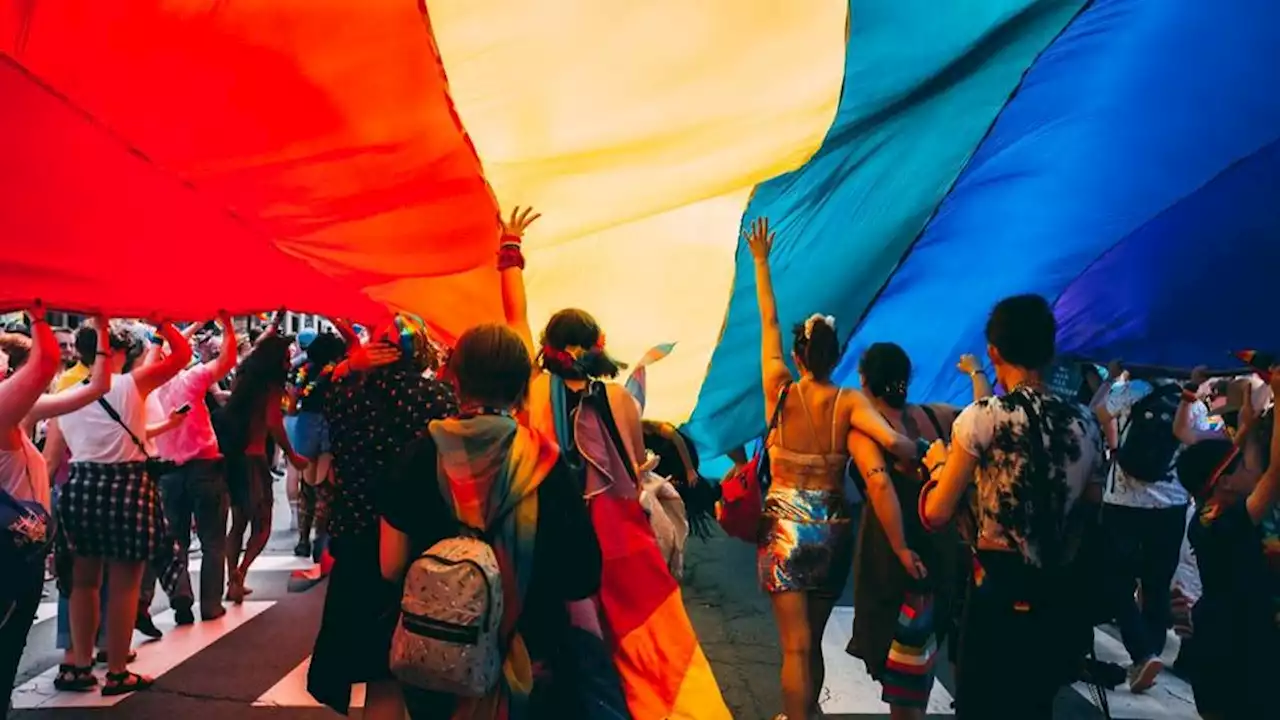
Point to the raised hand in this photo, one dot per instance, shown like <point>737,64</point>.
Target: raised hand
<point>35,313</point>
<point>521,219</point>
<point>1115,369</point>
<point>969,364</point>
<point>759,238</point>
<point>374,355</point>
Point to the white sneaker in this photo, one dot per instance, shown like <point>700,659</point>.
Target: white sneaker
<point>1142,677</point>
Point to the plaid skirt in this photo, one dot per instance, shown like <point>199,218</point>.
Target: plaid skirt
<point>112,512</point>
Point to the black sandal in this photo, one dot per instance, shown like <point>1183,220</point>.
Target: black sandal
<point>75,679</point>
<point>125,683</point>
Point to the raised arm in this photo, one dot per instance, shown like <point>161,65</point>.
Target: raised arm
<point>970,366</point>
<point>150,377</point>
<point>515,306</point>
<point>227,355</point>
<point>348,333</point>
<point>51,405</point>
<point>773,365</point>
<point>19,393</point>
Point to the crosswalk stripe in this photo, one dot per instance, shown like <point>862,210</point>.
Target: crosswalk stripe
<point>154,658</point>
<point>291,691</point>
<point>849,690</point>
<point>1170,699</point>
<point>48,610</point>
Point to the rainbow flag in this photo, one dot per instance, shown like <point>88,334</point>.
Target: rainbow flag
<point>637,381</point>
<point>639,611</point>
<point>1261,362</point>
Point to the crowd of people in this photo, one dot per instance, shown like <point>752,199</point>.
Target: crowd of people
<point>1003,531</point>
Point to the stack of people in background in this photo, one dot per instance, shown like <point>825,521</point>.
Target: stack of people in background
<point>1004,530</point>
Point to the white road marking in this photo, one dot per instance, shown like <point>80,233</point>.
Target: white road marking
<point>154,659</point>
<point>291,691</point>
<point>849,690</point>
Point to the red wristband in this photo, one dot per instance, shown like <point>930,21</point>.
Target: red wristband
<point>510,256</point>
<point>509,239</point>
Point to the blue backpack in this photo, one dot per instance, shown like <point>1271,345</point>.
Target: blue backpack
<point>26,533</point>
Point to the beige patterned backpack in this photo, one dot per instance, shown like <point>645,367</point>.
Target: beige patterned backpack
<point>448,639</point>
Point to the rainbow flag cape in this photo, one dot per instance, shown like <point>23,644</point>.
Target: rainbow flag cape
<point>639,611</point>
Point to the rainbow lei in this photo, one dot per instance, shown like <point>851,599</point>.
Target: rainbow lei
<point>304,387</point>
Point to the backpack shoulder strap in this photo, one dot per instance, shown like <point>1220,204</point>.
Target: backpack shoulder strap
<point>932,415</point>
<point>598,395</point>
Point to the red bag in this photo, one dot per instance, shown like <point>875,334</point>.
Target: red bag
<point>742,493</point>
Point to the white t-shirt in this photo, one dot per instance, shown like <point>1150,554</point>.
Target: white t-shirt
<point>1126,492</point>
<point>91,434</point>
<point>23,473</point>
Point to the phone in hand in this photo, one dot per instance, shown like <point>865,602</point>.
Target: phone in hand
<point>186,408</point>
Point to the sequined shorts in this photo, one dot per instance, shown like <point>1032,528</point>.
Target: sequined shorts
<point>806,542</point>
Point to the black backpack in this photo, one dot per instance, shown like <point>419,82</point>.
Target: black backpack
<point>1148,445</point>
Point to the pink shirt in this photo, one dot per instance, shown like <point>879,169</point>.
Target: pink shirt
<point>193,439</point>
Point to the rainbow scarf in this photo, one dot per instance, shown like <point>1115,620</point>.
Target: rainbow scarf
<point>491,467</point>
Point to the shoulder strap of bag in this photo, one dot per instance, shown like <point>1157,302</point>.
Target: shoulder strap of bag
<point>111,413</point>
<point>776,418</point>
<point>1040,462</point>
<point>598,395</point>
<point>933,420</point>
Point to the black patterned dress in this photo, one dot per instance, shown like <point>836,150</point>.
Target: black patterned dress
<point>372,419</point>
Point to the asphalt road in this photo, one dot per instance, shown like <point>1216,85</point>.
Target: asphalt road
<point>252,664</point>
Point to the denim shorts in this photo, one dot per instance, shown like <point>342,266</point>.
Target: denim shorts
<point>308,434</point>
